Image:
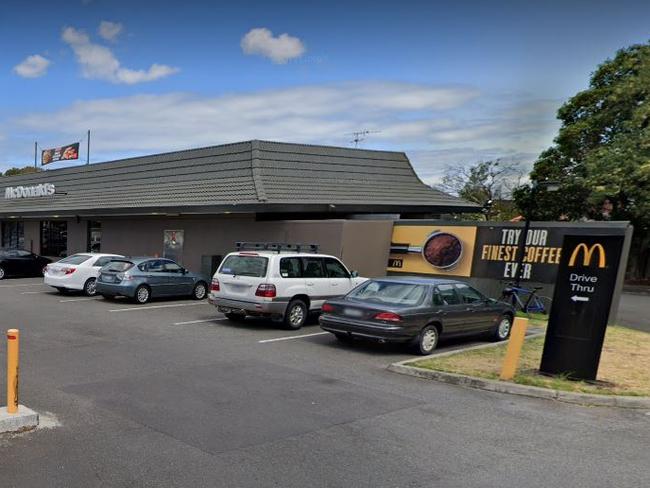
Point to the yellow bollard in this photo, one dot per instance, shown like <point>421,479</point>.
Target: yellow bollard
<point>12,370</point>
<point>513,352</point>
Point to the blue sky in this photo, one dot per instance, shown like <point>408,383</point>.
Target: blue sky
<point>447,82</point>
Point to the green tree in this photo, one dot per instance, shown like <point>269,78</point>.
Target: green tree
<point>486,181</point>
<point>26,170</point>
<point>601,156</point>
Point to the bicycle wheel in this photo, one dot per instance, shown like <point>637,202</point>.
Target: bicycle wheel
<point>516,302</point>
<point>546,303</point>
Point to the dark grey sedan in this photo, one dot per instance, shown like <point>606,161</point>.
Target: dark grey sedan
<point>416,311</point>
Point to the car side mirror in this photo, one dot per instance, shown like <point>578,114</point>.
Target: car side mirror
<point>184,271</point>
<point>354,274</point>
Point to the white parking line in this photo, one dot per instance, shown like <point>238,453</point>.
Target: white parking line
<point>200,321</point>
<point>135,308</point>
<point>292,337</point>
<point>17,286</point>
<point>33,292</point>
<point>80,299</point>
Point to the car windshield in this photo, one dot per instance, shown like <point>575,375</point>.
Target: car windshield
<point>389,292</point>
<point>76,259</point>
<point>241,265</point>
<point>118,266</point>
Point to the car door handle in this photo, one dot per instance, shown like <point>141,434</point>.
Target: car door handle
<point>441,312</point>
<point>335,284</point>
<point>309,283</point>
<point>469,309</point>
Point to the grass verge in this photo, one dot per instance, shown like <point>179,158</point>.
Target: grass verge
<point>623,365</point>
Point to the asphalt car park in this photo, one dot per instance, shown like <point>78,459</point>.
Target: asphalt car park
<point>171,393</point>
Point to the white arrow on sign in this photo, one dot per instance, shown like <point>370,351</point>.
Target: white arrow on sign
<point>576,298</point>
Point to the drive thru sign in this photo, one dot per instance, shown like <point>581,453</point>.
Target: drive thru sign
<point>581,304</point>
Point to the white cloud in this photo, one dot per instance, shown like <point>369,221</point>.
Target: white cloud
<point>33,66</point>
<point>435,125</point>
<point>99,62</point>
<point>109,30</point>
<point>278,49</point>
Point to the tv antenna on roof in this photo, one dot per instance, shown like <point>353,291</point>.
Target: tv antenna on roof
<point>360,136</point>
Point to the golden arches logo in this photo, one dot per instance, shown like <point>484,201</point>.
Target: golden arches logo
<point>587,254</point>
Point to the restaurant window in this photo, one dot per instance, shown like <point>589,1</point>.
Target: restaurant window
<point>54,238</point>
<point>13,235</point>
<point>94,236</point>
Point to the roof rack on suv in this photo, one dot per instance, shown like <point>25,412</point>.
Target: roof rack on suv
<point>276,247</point>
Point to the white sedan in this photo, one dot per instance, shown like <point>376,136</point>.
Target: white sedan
<point>77,272</point>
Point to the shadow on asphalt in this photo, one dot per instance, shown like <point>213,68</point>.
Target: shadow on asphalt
<point>371,347</point>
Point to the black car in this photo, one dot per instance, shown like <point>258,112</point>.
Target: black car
<point>16,262</point>
<point>416,311</point>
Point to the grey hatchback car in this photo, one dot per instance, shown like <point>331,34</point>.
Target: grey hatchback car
<point>146,278</point>
<point>416,311</point>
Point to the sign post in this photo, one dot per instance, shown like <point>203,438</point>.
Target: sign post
<point>582,300</point>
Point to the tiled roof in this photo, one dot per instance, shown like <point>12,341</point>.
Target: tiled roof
<point>248,176</point>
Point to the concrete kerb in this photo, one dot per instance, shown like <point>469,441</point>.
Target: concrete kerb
<point>23,420</point>
<point>587,399</point>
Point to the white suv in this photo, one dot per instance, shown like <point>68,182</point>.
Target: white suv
<point>282,285</point>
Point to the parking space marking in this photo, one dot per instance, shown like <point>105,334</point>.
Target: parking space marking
<point>33,292</point>
<point>201,321</point>
<point>135,308</point>
<point>17,286</point>
<point>288,338</point>
<point>80,299</point>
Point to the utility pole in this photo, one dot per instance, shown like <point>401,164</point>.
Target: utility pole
<point>88,149</point>
<point>35,154</point>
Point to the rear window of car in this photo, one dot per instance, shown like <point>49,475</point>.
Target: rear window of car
<point>103,261</point>
<point>76,259</point>
<point>241,265</point>
<point>119,266</point>
<point>389,293</point>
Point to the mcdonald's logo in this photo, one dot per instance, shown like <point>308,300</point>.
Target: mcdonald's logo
<point>587,254</point>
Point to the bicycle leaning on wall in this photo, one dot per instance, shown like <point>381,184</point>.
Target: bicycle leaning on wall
<point>525,299</point>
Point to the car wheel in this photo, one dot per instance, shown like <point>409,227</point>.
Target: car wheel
<point>90,287</point>
<point>504,328</point>
<point>296,315</point>
<point>2,273</point>
<point>142,294</point>
<point>427,340</point>
<point>235,317</point>
<point>200,291</point>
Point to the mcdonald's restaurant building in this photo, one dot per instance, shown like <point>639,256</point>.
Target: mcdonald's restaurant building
<point>195,205</point>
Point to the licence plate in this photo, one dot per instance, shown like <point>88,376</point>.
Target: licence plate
<point>352,312</point>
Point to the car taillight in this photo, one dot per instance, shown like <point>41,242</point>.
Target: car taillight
<point>265,290</point>
<point>327,308</point>
<point>214,286</point>
<point>70,270</point>
<point>388,317</point>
